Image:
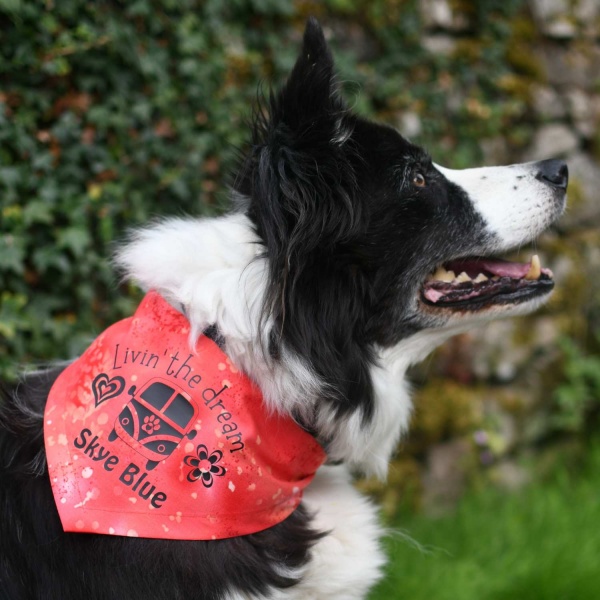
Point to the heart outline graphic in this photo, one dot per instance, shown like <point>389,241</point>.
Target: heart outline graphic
<point>105,388</point>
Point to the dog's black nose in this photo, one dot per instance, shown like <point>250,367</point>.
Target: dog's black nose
<point>554,173</point>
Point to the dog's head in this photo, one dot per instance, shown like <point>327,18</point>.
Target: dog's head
<point>369,242</point>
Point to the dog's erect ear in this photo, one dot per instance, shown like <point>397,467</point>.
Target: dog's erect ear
<point>304,201</point>
<point>311,90</point>
<point>299,174</point>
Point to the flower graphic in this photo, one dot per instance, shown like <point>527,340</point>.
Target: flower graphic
<point>204,466</point>
<point>151,424</point>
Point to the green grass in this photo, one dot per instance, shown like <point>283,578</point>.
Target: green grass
<point>540,544</point>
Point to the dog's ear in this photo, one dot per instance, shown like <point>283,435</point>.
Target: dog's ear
<point>310,97</point>
<point>300,179</point>
<point>304,201</point>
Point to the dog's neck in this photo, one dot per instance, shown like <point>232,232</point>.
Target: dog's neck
<point>214,270</point>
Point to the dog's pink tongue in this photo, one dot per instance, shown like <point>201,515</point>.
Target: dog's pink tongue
<point>501,268</point>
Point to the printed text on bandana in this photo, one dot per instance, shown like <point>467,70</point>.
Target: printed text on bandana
<point>162,408</point>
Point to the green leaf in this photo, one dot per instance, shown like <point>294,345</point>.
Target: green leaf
<point>75,239</point>
<point>12,254</point>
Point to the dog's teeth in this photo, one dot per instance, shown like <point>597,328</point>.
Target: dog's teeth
<point>463,277</point>
<point>535,269</point>
<point>450,276</point>
<point>442,275</point>
<point>481,277</point>
<point>437,274</point>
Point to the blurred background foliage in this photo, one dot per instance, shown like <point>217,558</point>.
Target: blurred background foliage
<point>113,113</point>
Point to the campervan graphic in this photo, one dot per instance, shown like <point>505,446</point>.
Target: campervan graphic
<point>155,420</point>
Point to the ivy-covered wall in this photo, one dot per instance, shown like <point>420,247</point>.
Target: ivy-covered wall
<point>113,113</point>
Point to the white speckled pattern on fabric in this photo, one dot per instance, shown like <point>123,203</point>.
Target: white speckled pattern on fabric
<point>146,437</point>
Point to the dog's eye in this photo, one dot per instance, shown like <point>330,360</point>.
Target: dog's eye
<point>419,180</point>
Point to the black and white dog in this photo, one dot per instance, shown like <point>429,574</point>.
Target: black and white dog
<point>349,257</point>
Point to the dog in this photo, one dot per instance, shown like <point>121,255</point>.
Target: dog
<point>348,257</point>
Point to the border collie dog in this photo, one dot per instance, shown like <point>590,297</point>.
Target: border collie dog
<point>349,256</point>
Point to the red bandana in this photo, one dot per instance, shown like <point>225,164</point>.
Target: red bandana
<point>145,438</point>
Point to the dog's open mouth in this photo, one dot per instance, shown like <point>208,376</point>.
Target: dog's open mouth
<point>475,283</point>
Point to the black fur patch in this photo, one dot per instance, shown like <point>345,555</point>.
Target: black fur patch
<point>349,237</point>
<point>39,560</point>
